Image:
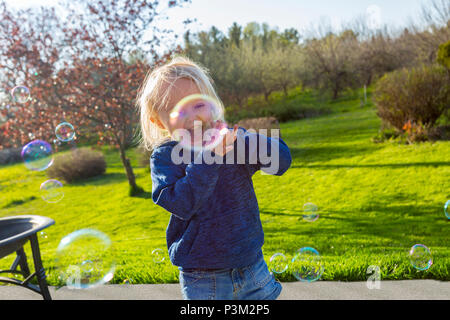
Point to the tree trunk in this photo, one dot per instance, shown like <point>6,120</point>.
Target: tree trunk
<point>129,170</point>
<point>335,92</point>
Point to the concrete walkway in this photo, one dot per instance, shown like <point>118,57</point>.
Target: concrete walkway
<point>321,290</point>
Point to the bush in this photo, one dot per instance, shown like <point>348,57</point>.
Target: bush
<point>413,100</point>
<point>443,56</point>
<point>77,165</point>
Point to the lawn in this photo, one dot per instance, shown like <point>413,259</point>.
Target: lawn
<point>375,202</point>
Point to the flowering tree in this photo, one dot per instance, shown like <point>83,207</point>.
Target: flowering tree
<point>85,70</point>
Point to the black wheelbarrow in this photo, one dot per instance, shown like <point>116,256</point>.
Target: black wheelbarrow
<point>14,234</point>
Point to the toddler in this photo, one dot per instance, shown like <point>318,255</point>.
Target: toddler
<point>214,235</point>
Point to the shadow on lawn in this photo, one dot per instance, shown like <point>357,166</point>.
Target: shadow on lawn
<point>327,153</point>
<point>107,178</point>
<point>399,224</point>
<point>380,165</point>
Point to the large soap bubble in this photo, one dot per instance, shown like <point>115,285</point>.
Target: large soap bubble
<point>85,259</point>
<point>198,122</point>
<point>37,155</point>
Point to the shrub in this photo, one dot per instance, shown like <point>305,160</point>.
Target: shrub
<point>413,99</point>
<point>258,124</point>
<point>77,165</point>
<point>443,56</point>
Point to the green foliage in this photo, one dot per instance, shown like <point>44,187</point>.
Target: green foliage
<point>293,105</point>
<point>412,100</point>
<point>443,56</point>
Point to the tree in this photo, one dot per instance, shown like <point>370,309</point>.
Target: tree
<point>235,33</point>
<point>331,60</point>
<point>87,71</point>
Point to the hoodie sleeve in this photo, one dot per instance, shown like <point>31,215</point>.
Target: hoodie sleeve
<point>259,152</point>
<point>181,191</point>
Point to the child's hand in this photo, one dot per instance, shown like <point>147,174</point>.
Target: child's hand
<point>227,143</point>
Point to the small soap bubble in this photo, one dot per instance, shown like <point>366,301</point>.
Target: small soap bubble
<point>373,17</point>
<point>307,265</point>
<point>21,94</point>
<point>158,255</point>
<point>51,191</point>
<point>65,132</point>
<point>278,263</point>
<point>420,257</point>
<point>43,235</point>
<point>447,209</point>
<point>310,212</point>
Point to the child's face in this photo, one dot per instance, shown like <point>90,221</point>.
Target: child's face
<point>191,114</point>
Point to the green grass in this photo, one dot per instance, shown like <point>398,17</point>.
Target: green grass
<point>375,202</point>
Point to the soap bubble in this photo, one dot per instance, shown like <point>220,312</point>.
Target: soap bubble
<point>447,209</point>
<point>373,14</point>
<point>198,122</point>
<point>307,265</point>
<point>84,259</point>
<point>37,155</point>
<point>278,263</point>
<point>51,191</point>
<point>43,235</point>
<point>65,132</point>
<point>420,257</point>
<point>310,212</point>
<point>158,255</point>
<point>20,94</point>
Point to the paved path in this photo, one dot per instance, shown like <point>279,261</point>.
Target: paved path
<point>321,290</point>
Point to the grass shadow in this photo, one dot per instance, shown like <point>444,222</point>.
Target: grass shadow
<point>327,153</point>
<point>394,223</point>
<point>143,195</point>
<point>107,178</point>
<point>380,165</point>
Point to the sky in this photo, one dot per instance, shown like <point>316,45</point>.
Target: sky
<point>298,14</point>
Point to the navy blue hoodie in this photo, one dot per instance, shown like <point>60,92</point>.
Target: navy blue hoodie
<point>215,220</point>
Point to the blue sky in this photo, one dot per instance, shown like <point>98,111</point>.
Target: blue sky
<point>295,13</point>
<point>281,13</point>
<point>299,14</point>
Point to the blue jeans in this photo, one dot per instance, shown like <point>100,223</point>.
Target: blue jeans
<point>253,282</point>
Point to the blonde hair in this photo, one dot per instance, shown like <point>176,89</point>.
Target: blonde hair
<point>151,99</point>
